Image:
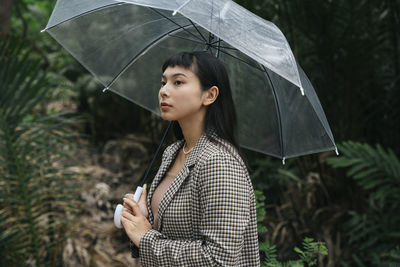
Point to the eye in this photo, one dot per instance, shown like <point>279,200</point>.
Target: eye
<point>178,82</point>
<point>162,83</point>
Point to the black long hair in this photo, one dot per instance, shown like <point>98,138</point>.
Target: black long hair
<point>220,115</point>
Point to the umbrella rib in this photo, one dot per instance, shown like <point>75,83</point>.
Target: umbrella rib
<point>94,51</point>
<point>188,39</point>
<point>202,36</point>
<point>154,42</point>
<point>220,40</point>
<point>159,13</point>
<point>242,60</point>
<point>82,14</point>
<point>225,47</point>
<point>278,111</point>
<point>218,48</point>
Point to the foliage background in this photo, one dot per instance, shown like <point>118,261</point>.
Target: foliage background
<point>351,52</point>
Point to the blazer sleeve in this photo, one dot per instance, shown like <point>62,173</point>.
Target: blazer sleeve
<point>225,205</point>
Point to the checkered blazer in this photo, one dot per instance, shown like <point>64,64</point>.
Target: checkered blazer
<point>207,216</point>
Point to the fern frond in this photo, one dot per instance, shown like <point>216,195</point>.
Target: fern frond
<point>376,230</point>
<point>375,170</point>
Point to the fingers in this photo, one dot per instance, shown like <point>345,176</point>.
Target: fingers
<point>126,205</point>
<point>130,196</point>
<point>141,205</point>
<point>143,196</point>
<point>127,215</point>
<point>130,204</point>
<point>127,196</point>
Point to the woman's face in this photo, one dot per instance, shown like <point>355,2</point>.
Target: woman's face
<point>180,96</point>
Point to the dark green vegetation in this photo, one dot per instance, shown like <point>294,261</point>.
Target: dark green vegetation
<point>36,190</point>
<point>347,205</point>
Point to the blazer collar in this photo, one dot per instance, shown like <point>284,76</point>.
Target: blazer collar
<point>168,158</point>
<point>196,152</point>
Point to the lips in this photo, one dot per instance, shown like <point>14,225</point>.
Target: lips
<point>163,104</point>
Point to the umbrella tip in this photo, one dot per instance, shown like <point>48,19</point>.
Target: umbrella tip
<point>179,8</point>
<point>283,160</point>
<point>43,30</point>
<point>106,89</point>
<point>302,91</point>
<point>337,152</point>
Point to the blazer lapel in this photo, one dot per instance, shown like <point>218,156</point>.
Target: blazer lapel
<point>169,194</point>
<point>166,162</point>
<point>182,175</point>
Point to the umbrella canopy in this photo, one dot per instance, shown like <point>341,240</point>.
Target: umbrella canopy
<point>124,43</point>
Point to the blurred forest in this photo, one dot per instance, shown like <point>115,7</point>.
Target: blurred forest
<point>68,152</point>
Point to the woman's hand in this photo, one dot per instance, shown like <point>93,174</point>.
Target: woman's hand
<point>133,220</point>
<point>142,201</point>
<point>135,223</point>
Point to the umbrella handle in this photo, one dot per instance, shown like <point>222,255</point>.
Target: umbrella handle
<point>139,189</point>
<point>118,209</point>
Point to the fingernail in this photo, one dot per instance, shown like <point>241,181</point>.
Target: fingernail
<point>124,199</point>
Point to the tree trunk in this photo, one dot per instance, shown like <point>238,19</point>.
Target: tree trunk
<point>5,16</point>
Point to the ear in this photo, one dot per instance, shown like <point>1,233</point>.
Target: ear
<point>210,95</point>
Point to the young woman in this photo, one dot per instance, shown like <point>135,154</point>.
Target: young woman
<point>200,209</point>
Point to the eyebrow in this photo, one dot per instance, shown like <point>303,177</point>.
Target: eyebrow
<point>174,75</point>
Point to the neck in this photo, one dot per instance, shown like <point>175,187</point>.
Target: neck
<point>192,130</point>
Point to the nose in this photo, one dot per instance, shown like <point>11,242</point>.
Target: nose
<point>163,91</point>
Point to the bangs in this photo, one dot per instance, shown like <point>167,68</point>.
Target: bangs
<point>184,59</point>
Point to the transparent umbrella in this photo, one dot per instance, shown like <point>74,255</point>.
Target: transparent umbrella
<point>124,43</point>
